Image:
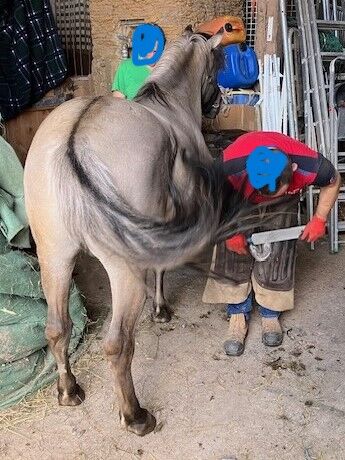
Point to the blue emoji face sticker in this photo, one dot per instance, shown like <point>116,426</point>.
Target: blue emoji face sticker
<point>264,166</point>
<point>147,44</point>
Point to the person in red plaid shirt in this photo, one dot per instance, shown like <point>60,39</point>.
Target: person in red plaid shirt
<point>272,281</point>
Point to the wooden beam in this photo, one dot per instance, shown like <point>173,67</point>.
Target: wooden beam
<point>268,37</point>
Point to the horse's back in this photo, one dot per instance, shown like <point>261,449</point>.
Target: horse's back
<point>126,138</point>
<point>122,129</point>
<point>131,143</point>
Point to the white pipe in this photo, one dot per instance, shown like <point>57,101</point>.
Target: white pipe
<point>274,95</point>
<point>288,64</point>
<point>273,102</point>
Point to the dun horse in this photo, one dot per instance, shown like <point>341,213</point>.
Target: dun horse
<point>134,184</point>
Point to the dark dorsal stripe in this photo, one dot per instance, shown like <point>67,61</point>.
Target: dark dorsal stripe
<point>71,153</point>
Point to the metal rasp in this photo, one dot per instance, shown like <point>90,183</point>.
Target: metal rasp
<point>260,243</point>
<point>273,236</point>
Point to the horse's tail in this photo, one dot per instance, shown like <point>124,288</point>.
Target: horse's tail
<point>94,210</point>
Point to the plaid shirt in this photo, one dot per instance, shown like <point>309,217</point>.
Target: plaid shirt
<point>32,60</point>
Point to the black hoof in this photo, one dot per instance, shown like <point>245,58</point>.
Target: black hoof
<point>233,348</point>
<point>272,339</point>
<point>164,315</point>
<point>71,399</point>
<point>144,425</point>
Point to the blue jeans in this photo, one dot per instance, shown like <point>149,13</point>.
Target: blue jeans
<point>267,313</point>
<point>246,307</point>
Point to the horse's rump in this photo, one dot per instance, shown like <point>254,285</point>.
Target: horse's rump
<point>117,186</point>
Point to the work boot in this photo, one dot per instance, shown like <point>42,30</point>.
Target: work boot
<point>238,328</point>
<point>272,334</point>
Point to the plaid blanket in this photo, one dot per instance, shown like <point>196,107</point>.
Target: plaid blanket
<point>32,60</point>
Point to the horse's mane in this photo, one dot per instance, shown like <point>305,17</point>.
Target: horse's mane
<point>168,71</point>
<point>152,90</point>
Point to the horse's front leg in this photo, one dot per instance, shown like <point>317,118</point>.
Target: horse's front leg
<point>129,294</point>
<point>161,312</point>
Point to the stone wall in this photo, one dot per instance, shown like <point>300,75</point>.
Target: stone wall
<point>171,15</point>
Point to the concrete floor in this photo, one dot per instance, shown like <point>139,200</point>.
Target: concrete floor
<point>285,403</point>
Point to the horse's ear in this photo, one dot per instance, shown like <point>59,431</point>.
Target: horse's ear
<point>216,39</point>
<point>188,31</point>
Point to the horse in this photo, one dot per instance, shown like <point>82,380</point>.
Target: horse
<point>133,183</point>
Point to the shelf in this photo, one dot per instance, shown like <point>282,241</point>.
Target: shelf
<point>330,25</point>
<point>329,56</point>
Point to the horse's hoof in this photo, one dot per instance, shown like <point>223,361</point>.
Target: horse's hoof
<point>144,425</point>
<point>164,315</point>
<point>74,399</point>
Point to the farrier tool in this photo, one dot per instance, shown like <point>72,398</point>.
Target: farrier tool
<point>260,243</point>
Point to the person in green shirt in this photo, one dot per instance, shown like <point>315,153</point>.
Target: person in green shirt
<point>129,78</point>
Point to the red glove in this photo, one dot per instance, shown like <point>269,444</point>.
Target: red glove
<point>314,230</point>
<point>238,244</point>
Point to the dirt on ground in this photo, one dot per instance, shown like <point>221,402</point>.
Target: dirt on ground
<point>284,403</point>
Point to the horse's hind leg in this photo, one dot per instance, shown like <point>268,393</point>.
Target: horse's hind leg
<point>161,312</point>
<point>128,297</point>
<point>57,262</point>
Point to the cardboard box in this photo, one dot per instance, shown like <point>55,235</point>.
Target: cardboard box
<point>242,117</point>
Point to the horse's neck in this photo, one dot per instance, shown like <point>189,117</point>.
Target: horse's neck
<point>181,121</point>
<point>179,77</point>
<point>179,106</point>
<point>181,82</point>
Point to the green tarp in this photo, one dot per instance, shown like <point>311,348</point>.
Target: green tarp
<point>25,362</point>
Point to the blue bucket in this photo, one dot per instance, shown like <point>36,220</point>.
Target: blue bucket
<point>241,68</point>
<point>246,97</point>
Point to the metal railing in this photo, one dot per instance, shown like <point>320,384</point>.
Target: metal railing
<point>250,19</point>
<point>74,27</point>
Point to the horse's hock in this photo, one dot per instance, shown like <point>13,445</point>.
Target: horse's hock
<point>171,15</point>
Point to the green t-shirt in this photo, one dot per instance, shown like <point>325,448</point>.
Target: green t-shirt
<point>129,78</point>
